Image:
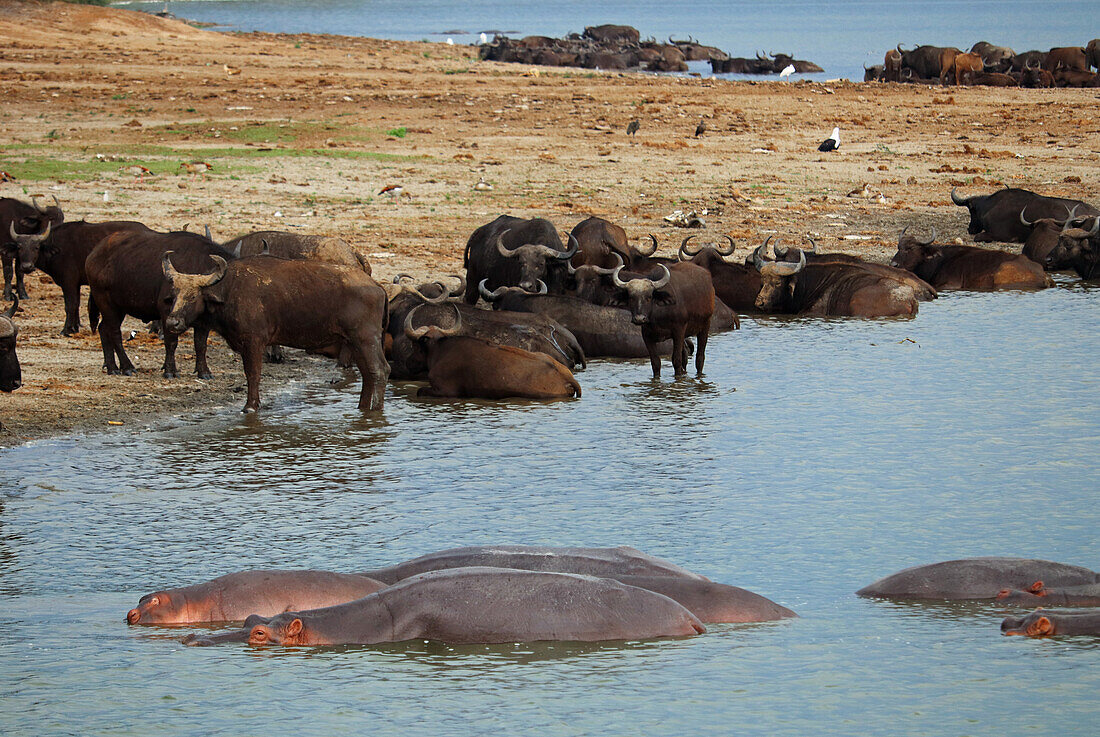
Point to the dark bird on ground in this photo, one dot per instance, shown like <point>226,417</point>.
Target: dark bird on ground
<point>832,143</point>
<point>701,128</point>
<point>632,127</point>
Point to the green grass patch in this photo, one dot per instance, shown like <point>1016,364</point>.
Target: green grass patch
<point>398,132</point>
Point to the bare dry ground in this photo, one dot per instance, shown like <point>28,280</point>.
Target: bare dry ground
<point>303,132</point>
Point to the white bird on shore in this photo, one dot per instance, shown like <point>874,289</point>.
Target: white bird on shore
<point>483,38</point>
<point>787,71</point>
<point>832,143</point>
<point>450,42</point>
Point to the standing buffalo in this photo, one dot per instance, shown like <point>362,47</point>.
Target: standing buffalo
<point>677,304</point>
<point>1092,54</point>
<point>967,267</point>
<point>10,376</point>
<point>514,252</point>
<point>262,300</point>
<point>23,228</point>
<point>962,64</point>
<point>125,275</point>
<point>461,366</point>
<point>928,62</point>
<point>598,243</point>
<point>63,256</point>
<point>891,68</point>
<point>996,217</point>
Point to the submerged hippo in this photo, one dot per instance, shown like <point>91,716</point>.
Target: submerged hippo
<point>482,605</point>
<point>608,562</point>
<point>1049,624</point>
<point>711,602</point>
<point>233,597</point>
<point>1038,595</point>
<point>977,578</point>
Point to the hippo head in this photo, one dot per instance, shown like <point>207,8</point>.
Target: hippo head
<point>284,629</point>
<point>777,278</point>
<point>639,295</point>
<point>1035,624</point>
<point>181,297</point>
<point>913,252</point>
<point>159,608</point>
<point>535,259</point>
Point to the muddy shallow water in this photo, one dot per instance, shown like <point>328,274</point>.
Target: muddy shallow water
<point>812,458</point>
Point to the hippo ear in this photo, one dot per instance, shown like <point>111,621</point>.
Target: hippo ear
<point>1035,588</point>
<point>294,627</point>
<point>1040,627</point>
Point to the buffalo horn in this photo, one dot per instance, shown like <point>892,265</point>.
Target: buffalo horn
<point>664,279</point>
<point>29,239</point>
<point>10,312</point>
<point>930,240</point>
<point>779,268</point>
<point>574,246</point>
<point>398,279</point>
<point>418,333</point>
<point>490,296</point>
<point>461,288</point>
<point>758,261</point>
<point>501,247</point>
<point>1095,226</point>
<point>1065,225</point>
<point>651,251</point>
<point>1024,221</point>
<point>957,200</point>
<point>813,245</point>
<point>684,254</point>
<point>166,264</point>
<point>616,280</point>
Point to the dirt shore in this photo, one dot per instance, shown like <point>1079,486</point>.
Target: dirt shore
<point>303,132</point>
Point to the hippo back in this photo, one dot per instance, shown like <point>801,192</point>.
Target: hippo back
<point>976,578</point>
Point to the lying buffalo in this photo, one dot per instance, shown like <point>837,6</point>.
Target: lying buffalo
<point>967,267</point>
<point>996,217</point>
<point>1078,248</point>
<point>976,578</point>
<point>514,252</point>
<point>735,284</point>
<point>461,366</point>
<point>1044,237</point>
<point>11,378</point>
<point>922,290</point>
<point>1049,624</point>
<point>484,605</point>
<point>126,278</point>
<point>328,249</point>
<point>23,228</point>
<point>233,597</point>
<point>260,301</point>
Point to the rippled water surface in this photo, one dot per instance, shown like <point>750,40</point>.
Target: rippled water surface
<point>812,458</point>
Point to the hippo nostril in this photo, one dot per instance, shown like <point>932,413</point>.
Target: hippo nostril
<point>133,616</point>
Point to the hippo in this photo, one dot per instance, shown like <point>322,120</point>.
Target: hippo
<point>481,605</point>
<point>233,597</point>
<point>712,603</point>
<point>1048,624</point>
<point>1038,595</point>
<point>976,578</point>
<point>608,562</point>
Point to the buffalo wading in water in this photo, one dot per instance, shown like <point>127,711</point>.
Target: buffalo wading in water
<point>1079,249</point>
<point>967,267</point>
<point>11,377</point>
<point>514,252</point>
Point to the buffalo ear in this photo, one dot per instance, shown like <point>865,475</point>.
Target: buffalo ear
<point>1039,627</point>
<point>664,298</point>
<point>212,297</point>
<point>294,627</point>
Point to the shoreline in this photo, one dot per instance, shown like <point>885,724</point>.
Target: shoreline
<point>304,131</point>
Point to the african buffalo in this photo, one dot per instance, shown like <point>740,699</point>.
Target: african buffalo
<point>125,275</point>
<point>612,34</point>
<point>996,216</point>
<point>461,366</point>
<point>735,284</point>
<point>922,290</point>
<point>1066,57</point>
<point>10,376</point>
<point>1043,239</point>
<point>1079,248</point>
<point>678,303</point>
<point>834,288</point>
<point>989,79</point>
<point>927,62</point>
<point>514,252</point>
<point>1076,78</point>
<point>63,257</point>
<point>1092,54</point>
<point>962,64</point>
<point>967,267</point>
<point>260,301</point>
<point>874,73</point>
<point>994,57</point>
<point>1035,77</point>
<point>328,249</point>
<point>891,68</point>
<point>23,228</point>
<point>598,242</point>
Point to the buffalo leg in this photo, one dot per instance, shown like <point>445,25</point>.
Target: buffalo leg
<point>72,311</point>
<point>93,313</point>
<point>253,357</point>
<point>700,351</point>
<point>202,335</point>
<point>654,356</point>
<point>110,338</point>
<point>19,288</point>
<point>374,370</point>
<point>679,351</point>
<point>171,340</point>
<point>8,260</point>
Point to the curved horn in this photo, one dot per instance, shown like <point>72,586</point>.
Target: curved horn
<point>166,265</point>
<point>652,250</point>
<point>10,312</point>
<point>418,333</point>
<point>490,296</point>
<point>616,280</point>
<point>502,248</point>
<point>542,287</point>
<point>1095,226</point>
<point>758,261</point>
<point>723,252</point>
<point>265,250</point>
<point>813,245</point>
<point>29,239</point>
<point>1024,221</point>
<point>441,297</point>
<point>930,240</point>
<point>1065,225</point>
<point>781,268</point>
<point>664,279</point>
<point>684,254</point>
<point>573,248</point>
<point>955,198</point>
<point>461,288</point>
<point>899,49</point>
<point>400,277</point>
<point>237,250</point>
<point>56,201</point>
<point>38,208</point>
<point>603,272</point>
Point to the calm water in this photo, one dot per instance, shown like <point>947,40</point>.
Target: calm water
<point>840,35</point>
<point>812,458</point>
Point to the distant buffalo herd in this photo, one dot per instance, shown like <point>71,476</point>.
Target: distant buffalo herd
<point>554,304</point>
<point>991,66</point>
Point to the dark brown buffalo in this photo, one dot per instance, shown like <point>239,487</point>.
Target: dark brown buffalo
<point>735,284</point>
<point>23,228</point>
<point>602,562</point>
<point>514,252</point>
<point>531,332</point>
<point>927,62</point>
<point>976,578</point>
<point>967,267</point>
<point>1035,77</point>
<point>1076,78</point>
<point>874,73</point>
<point>1045,233</point>
<point>126,278</point>
<point>891,68</point>
<point>11,378</point>
<point>233,597</point>
<point>922,290</point>
<point>989,79</point>
<point>484,605</point>
<point>598,243</point>
<point>1079,248</point>
<point>612,34</point>
<point>829,288</point>
<point>1092,54</point>
<point>461,366</point>
<point>1066,57</point>
<point>63,257</point>
<point>995,57</point>
<point>336,311</point>
<point>996,216</point>
<point>677,303</point>
<point>328,249</point>
<point>1049,624</point>
<point>1020,62</point>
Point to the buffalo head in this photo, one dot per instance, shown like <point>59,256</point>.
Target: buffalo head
<point>182,298</point>
<point>533,259</point>
<point>10,376</point>
<point>639,295</point>
<point>431,332</point>
<point>911,251</point>
<point>776,277</point>
<point>28,244</point>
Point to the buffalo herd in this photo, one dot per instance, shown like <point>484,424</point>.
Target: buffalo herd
<point>990,66</point>
<point>553,302</point>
